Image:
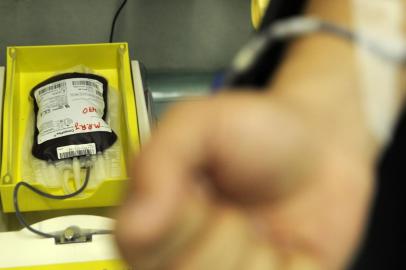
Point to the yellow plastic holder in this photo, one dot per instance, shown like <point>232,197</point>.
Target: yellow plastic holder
<point>29,65</point>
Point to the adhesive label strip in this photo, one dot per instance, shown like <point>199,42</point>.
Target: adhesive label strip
<point>380,80</point>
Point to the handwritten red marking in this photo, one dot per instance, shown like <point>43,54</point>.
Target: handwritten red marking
<point>89,109</point>
<point>87,126</point>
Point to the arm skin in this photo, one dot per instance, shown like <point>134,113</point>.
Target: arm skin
<point>276,180</point>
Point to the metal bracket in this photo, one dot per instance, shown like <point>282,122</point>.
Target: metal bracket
<point>73,235</point>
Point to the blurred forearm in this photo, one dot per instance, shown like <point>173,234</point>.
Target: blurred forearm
<point>332,76</point>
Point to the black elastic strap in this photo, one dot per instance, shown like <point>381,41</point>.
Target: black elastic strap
<point>262,73</point>
<point>281,9</point>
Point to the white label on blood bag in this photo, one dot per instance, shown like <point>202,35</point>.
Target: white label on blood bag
<point>68,107</point>
<point>76,150</point>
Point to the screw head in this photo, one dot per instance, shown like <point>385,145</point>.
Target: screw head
<point>71,233</point>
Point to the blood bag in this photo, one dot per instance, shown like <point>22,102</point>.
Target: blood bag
<point>70,117</point>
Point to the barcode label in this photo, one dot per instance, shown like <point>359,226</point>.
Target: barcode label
<point>52,87</point>
<point>76,150</point>
<point>85,83</point>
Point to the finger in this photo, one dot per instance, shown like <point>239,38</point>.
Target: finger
<point>255,146</point>
<point>194,218</point>
<point>161,180</point>
<point>222,245</point>
<point>266,256</point>
<point>261,257</point>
